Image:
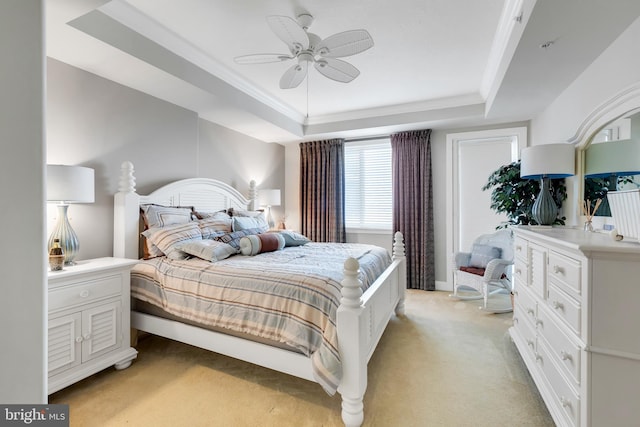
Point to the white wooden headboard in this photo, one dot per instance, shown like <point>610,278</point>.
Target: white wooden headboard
<point>206,195</point>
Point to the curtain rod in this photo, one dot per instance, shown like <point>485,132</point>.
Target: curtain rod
<point>372,138</point>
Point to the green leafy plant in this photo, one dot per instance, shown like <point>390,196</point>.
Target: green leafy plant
<point>514,196</point>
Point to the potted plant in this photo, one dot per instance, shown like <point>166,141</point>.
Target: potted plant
<point>515,196</point>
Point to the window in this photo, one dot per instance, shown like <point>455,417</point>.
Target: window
<point>368,184</point>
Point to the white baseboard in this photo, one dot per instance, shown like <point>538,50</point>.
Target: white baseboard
<point>443,286</point>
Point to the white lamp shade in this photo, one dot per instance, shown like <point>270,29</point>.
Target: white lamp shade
<point>269,197</point>
<point>619,158</point>
<point>70,184</point>
<point>548,161</point>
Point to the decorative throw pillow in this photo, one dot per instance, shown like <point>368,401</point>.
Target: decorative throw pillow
<point>214,226</point>
<point>259,243</point>
<point>209,250</point>
<point>167,239</point>
<point>482,254</point>
<point>291,238</point>
<point>249,222</point>
<point>234,237</point>
<point>217,214</point>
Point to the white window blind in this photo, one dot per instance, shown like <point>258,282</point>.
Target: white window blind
<point>368,184</point>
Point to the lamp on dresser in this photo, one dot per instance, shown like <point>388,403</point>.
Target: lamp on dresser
<point>545,162</point>
<point>68,184</point>
<point>268,198</point>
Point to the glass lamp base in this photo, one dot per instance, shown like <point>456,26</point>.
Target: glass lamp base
<point>68,238</point>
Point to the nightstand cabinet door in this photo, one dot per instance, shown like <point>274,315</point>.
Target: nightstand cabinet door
<point>101,331</point>
<point>63,337</point>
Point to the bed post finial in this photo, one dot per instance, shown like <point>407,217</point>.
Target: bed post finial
<point>398,245</point>
<point>351,286</point>
<point>127,183</point>
<point>253,195</point>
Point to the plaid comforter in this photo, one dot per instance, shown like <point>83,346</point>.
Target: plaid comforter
<point>289,296</point>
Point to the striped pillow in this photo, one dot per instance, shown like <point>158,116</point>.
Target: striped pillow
<point>167,239</point>
<point>215,225</point>
<point>208,250</point>
<point>259,243</point>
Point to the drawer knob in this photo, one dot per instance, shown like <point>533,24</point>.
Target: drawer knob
<point>565,402</point>
<point>78,339</point>
<point>539,322</point>
<point>530,343</point>
<point>518,272</point>
<point>565,356</point>
<point>557,269</point>
<point>515,320</point>
<point>84,294</point>
<point>538,358</point>
<point>86,336</point>
<point>530,311</point>
<point>557,305</point>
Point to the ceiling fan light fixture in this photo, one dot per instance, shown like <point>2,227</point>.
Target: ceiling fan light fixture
<point>310,48</point>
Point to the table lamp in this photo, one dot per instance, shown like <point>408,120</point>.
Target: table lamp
<point>68,184</point>
<point>545,162</point>
<point>268,198</point>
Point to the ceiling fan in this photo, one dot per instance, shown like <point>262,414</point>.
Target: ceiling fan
<point>306,48</point>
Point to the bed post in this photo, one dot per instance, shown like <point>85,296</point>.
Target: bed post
<point>399,254</point>
<point>352,346</point>
<point>126,214</point>
<point>253,195</point>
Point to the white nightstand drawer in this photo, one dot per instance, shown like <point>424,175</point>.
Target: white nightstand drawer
<point>567,399</point>
<point>85,292</point>
<point>567,308</point>
<point>565,272</point>
<point>567,353</point>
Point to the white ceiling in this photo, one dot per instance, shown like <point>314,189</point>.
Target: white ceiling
<point>435,63</point>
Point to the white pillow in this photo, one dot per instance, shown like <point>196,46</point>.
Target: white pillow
<point>249,222</point>
<point>209,250</point>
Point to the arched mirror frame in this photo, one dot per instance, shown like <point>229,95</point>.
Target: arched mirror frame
<point>613,109</point>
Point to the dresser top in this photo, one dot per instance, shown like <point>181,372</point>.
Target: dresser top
<point>578,239</point>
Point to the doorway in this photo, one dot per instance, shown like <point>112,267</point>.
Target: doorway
<point>471,158</point>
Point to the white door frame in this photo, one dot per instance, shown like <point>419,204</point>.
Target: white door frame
<point>519,136</point>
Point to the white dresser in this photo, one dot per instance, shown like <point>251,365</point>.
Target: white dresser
<point>89,312</point>
<point>576,323</point>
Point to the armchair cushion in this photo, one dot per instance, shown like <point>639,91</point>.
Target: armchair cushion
<point>482,254</point>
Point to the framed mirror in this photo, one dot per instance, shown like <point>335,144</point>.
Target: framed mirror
<point>610,123</point>
<point>612,162</point>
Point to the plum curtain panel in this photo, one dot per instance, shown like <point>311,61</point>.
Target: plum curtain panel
<point>322,190</point>
<point>413,204</point>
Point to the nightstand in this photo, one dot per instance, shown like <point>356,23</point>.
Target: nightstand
<point>89,318</point>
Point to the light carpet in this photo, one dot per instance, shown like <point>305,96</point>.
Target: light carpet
<point>443,364</point>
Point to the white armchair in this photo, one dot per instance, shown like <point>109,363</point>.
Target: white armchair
<point>486,270</point>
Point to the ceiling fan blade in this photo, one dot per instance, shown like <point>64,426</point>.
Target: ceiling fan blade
<point>337,70</point>
<point>346,43</point>
<point>261,58</point>
<point>294,75</point>
<point>289,32</point>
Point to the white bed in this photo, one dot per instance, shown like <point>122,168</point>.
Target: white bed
<point>361,317</point>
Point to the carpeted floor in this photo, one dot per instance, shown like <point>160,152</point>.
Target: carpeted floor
<point>444,364</point>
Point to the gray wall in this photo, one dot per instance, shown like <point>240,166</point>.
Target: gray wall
<point>23,368</point>
<point>97,123</point>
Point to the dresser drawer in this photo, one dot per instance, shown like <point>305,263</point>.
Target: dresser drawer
<point>568,401</point>
<point>521,248</point>
<point>567,353</point>
<point>84,292</point>
<point>566,272</point>
<point>521,271</point>
<point>567,308</point>
<point>525,329</point>
<point>527,303</point>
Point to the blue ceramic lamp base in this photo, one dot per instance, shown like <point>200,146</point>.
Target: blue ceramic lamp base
<point>544,210</point>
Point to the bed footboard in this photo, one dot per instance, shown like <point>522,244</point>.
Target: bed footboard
<point>362,318</point>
